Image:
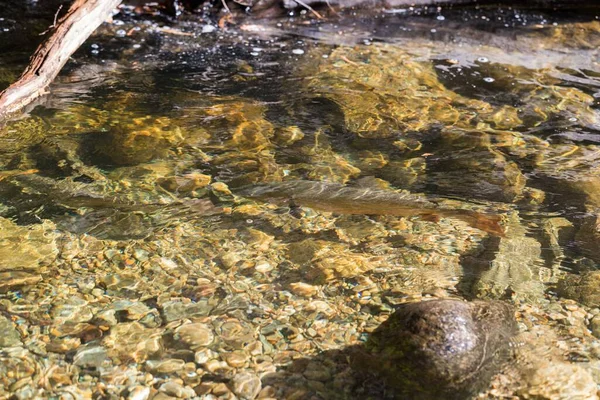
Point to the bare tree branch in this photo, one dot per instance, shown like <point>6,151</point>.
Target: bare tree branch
<point>82,19</point>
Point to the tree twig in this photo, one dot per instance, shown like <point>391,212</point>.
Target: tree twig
<point>54,23</point>
<point>312,10</point>
<point>225,6</point>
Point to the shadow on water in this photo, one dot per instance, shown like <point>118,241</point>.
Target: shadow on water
<point>475,264</point>
<point>524,265</point>
<point>430,350</point>
<point>333,374</point>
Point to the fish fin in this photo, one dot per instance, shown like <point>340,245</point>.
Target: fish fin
<point>491,224</point>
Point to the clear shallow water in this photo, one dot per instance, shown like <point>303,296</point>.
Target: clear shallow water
<point>125,215</point>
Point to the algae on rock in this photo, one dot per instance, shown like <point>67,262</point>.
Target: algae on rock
<point>382,90</point>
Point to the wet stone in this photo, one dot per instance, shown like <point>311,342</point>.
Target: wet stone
<point>90,357</point>
<point>317,372</point>
<point>8,334</point>
<point>246,385</point>
<point>234,333</point>
<point>185,184</point>
<point>588,236</point>
<point>175,310</point>
<point>25,247</point>
<point>73,310</point>
<point>584,288</point>
<point>163,396</point>
<point>303,289</point>
<point>288,135</point>
<point>204,356</point>
<point>236,359</point>
<point>559,381</point>
<point>133,141</point>
<point>129,310</point>
<point>441,348</point>
<point>218,367</point>
<point>14,279</point>
<point>164,366</point>
<point>75,392</point>
<point>595,326</point>
<point>220,389</point>
<point>195,335</point>
<point>174,389</point>
<point>63,345</point>
<point>483,172</point>
<point>556,234</point>
<point>132,341</point>
<point>140,255</point>
<point>138,393</point>
<point>325,260</point>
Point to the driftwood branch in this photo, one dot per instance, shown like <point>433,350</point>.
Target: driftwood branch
<point>83,17</point>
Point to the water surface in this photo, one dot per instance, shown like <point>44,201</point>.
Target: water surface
<point>125,211</point>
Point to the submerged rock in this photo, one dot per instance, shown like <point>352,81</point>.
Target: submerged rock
<point>325,260</point>
<point>481,172</point>
<point>584,288</point>
<point>382,90</point>
<point>8,334</point>
<point>556,235</point>
<point>442,348</point>
<point>588,236</point>
<point>246,385</point>
<point>139,393</point>
<point>90,356</point>
<point>559,381</point>
<point>174,389</point>
<point>131,341</point>
<point>12,279</point>
<point>195,335</point>
<point>24,248</point>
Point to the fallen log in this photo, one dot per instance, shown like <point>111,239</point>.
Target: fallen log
<point>81,20</point>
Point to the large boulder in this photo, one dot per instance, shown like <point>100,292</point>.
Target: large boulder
<point>442,349</point>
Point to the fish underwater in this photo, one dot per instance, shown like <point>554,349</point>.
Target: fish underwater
<point>97,208</point>
<point>120,215</point>
<point>342,199</point>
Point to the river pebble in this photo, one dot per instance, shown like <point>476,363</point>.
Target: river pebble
<point>560,381</point>
<point>246,385</point>
<point>175,389</point>
<point>195,335</point>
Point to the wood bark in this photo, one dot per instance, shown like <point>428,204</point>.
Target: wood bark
<point>81,20</point>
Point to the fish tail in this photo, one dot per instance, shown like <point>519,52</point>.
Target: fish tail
<point>431,217</point>
<point>488,223</point>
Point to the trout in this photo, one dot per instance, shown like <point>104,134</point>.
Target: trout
<point>341,199</point>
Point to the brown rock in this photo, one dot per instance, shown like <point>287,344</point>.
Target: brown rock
<point>441,348</point>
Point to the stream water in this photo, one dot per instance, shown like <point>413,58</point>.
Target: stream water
<point>225,212</point>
